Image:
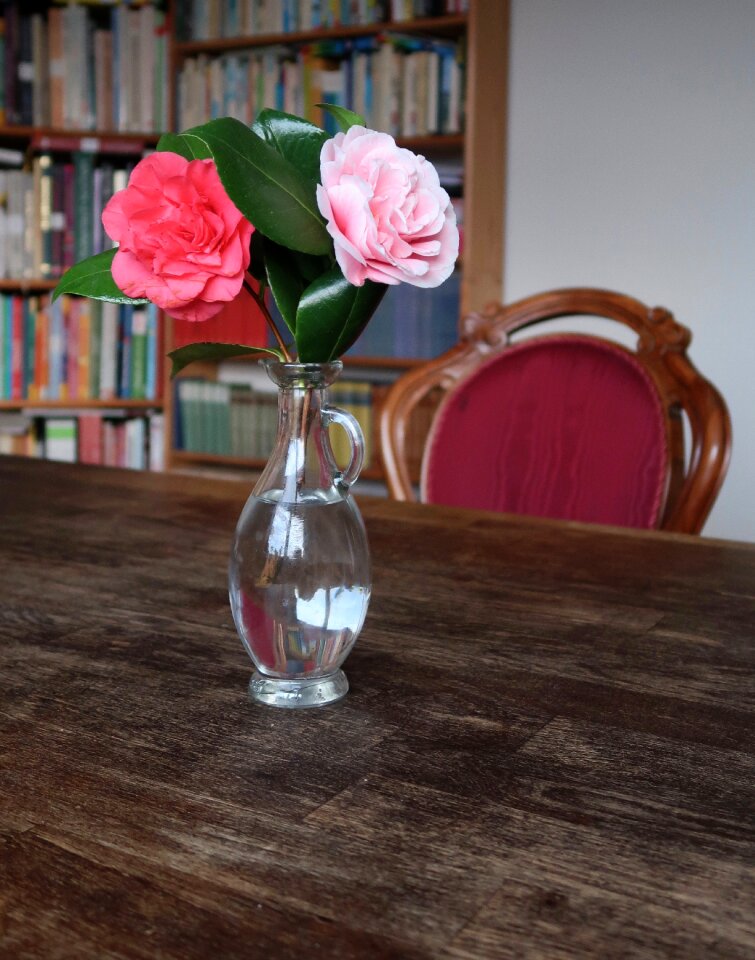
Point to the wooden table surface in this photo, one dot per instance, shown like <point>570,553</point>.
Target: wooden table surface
<point>547,751</point>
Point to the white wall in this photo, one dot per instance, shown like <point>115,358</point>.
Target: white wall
<point>632,166</point>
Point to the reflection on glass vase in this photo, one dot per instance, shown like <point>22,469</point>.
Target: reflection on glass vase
<point>299,574</point>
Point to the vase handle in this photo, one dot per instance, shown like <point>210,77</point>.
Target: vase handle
<point>345,478</point>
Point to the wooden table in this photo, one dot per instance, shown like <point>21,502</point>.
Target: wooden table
<point>546,753</point>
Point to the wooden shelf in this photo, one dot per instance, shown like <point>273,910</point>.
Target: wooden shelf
<point>447,26</point>
<point>36,285</point>
<point>204,368</point>
<point>29,133</point>
<point>433,143</point>
<point>74,404</point>
<point>383,363</point>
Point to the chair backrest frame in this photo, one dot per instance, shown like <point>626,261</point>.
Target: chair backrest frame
<point>691,489</point>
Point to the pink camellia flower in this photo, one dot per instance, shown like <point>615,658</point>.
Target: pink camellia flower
<point>389,217</point>
<point>182,242</point>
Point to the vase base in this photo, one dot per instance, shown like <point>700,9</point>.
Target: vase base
<point>293,694</point>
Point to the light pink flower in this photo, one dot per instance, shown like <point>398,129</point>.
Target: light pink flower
<point>182,243</point>
<point>389,217</point>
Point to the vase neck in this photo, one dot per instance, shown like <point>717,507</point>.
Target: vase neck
<point>301,466</point>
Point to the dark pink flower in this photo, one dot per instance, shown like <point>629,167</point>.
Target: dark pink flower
<point>182,243</point>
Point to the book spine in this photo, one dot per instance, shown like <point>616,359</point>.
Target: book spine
<point>11,63</point>
<point>40,72</point>
<point>33,228</point>
<point>17,349</point>
<point>60,442</point>
<point>146,67</point>
<point>8,338</point>
<point>30,343</point>
<point>90,438</point>
<point>25,71</point>
<point>3,223</point>
<point>124,362</point>
<point>160,80</point>
<point>72,342</point>
<point>68,235</point>
<point>83,372</point>
<point>55,348</point>
<point>42,356</point>
<point>4,348</point>
<point>108,351</point>
<point>83,166</point>
<point>56,67</point>
<point>30,225</point>
<point>3,58</point>
<point>156,441</point>
<point>150,384</point>
<point>45,173</point>
<point>138,378</point>
<point>133,70</point>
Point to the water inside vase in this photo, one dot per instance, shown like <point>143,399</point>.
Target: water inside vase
<point>299,581</point>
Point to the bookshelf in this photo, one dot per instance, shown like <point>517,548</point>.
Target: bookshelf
<point>111,130</point>
<point>477,148</point>
<point>77,109</point>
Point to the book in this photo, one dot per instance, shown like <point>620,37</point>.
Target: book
<point>82,348</point>
<point>43,173</point>
<point>60,439</point>
<point>56,67</point>
<point>90,438</point>
<point>138,358</point>
<point>17,349</point>
<point>109,349</point>
<point>83,170</point>
<point>135,443</point>
<point>156,441</point>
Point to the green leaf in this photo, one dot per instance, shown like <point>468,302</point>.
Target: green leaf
<point>289,273</point>
<point>188,149</point>
<point>92,278</point>
<point>286,283</point>
<point>331,315</point>
<point>295,139</point>
<point>311,267</point>
<point>344,118</point>
<point>192,352</point>
<point>276,197</point>
<point>257,258</point>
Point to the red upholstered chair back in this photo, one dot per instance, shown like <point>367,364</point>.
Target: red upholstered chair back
<point>565,426</point>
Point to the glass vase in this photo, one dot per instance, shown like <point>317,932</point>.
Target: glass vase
<point>299,572</point>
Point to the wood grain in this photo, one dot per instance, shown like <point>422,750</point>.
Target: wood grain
<point>547,750</point>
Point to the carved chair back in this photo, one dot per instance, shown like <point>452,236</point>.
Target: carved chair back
<point>567,426</point>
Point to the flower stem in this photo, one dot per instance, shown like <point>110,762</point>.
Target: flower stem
<point>248,284</point>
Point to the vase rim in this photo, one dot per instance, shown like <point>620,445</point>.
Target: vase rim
<point>303,374</point>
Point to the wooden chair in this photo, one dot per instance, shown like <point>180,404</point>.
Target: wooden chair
<point>565,425</point>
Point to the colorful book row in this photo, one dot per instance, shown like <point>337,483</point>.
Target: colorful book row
<point>356,398</point>
<point>238,420</point>
<point>233,420</point>
<point>78,349</point>
<point>224,419</point>
<point>51,216</point>
<point>413,322</point>
<point>405,86</point>
<point>84,69</point>
<point>211,19</point>
<point>111,440</point>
